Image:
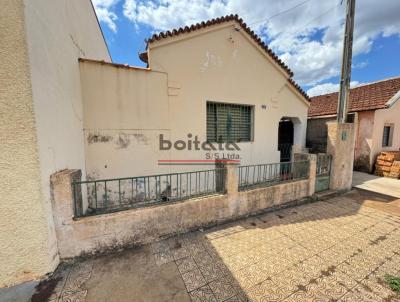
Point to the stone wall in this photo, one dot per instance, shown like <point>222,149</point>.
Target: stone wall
<point>138,226</point>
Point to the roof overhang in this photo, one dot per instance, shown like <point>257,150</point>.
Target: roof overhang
<point>393,100</point>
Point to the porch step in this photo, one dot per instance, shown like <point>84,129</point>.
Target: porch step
<point>323,195</point>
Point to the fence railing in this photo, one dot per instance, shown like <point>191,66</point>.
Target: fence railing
<point>110,195</point>
<point>271,174</point>
<point>286,152</point>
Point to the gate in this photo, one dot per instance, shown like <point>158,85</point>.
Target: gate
<point>323,172</point>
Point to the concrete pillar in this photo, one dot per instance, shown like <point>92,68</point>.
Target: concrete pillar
<point>312,173</point>
<point>312,158</point>
<point>341,142</point>
<point>231,180</point>
<point>62,202</point>
<point>232,188</point>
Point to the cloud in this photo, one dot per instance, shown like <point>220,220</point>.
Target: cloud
<point>308,38</point>
<point>328,88</point>
<point>104,10</point>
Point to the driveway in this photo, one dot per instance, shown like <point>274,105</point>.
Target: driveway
<point>382,185</point>
<point>334,250</point>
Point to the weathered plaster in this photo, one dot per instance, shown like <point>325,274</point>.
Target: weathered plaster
<point>26,252</point>
<point>137,226</point>
<point>341,142</point>
<point>363,147</point>
<point>41,122</point>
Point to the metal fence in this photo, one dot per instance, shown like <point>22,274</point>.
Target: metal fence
<point>286,152</point>
<point>110,195</point>
<point>271,174</point>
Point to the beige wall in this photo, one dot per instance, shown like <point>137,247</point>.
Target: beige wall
<point>385,116</point>
<point>41,122</point>
<point>25,248</point>
<point>364,143</point>
<point>203,66</point>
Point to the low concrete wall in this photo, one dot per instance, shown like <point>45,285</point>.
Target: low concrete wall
<point>138,226</point>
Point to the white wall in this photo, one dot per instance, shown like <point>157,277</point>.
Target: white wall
<point>41,42</point>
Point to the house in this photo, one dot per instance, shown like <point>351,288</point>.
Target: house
<point>215,81</point>
<point>374,107</point>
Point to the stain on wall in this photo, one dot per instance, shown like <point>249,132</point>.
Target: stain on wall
<point>98,138</point>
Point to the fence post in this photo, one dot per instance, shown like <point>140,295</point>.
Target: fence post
<point>63,209</point>
<point>62,196</point>
<point>312,173</point>
<point>231,180</point>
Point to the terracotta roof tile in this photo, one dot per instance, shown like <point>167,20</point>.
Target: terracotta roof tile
<point>254,36</point>
<point>366,97</point>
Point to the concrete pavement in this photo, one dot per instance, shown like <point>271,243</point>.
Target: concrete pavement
<point>334,250</point>
<point>373,183</point>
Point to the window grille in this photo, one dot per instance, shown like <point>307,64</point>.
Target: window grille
<point>229,122</point>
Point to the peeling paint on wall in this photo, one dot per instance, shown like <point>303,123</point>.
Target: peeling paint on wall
<point>211,60</point>
<point>124,139</point>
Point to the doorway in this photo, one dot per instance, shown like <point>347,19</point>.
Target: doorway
<point>285,139</point>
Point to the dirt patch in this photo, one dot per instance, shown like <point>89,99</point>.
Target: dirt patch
<point>44,289</point>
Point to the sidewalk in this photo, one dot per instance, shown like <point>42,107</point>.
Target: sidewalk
<point>335,250</point>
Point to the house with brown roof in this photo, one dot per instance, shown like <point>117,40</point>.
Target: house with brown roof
<point>374,107</point>
<point>215,81</point>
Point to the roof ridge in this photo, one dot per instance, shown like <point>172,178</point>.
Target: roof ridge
<point>360,85</point>
<point>376,82</point>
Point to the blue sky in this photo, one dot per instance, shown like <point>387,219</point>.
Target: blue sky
<point>306,34</point>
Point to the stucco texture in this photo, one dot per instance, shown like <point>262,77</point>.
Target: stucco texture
<point>41,122</point>
<point>24,252</point>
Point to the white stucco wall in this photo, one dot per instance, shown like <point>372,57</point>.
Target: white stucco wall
<point>60,32</point>
<point>41,122</point>
<point>206,67</point>
<point>385,116</point>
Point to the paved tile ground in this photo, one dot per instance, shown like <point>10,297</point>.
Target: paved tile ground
<point>335,250</point>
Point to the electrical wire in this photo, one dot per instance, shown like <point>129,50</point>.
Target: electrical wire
<point>280,13</point>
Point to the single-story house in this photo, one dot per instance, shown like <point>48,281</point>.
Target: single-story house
<point>214,81</point>
<point>374,107</point>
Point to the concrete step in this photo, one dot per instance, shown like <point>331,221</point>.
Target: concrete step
<point>324,195</point>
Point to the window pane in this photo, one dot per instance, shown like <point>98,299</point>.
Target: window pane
<point>228,122</point>
<point>386,136</point>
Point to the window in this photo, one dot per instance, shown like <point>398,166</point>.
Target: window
<point>387,135</point>
<point>229,122</point>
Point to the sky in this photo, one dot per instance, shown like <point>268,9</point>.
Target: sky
<point>306,34</point>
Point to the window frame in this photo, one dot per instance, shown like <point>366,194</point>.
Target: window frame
<point>389,142</point>
<point>251,125</point>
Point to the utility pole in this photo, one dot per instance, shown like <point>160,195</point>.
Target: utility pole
<point>343,102</point>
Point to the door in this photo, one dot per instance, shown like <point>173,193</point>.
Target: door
<point>323,172</point>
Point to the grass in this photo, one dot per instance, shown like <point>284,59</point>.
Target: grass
<point>394,282</point>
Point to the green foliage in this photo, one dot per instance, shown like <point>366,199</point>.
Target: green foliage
<point>394,282</point>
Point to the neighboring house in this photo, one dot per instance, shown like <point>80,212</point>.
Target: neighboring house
<point>374,107</point>
<point>40,122</point>
<point>215,80</point>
